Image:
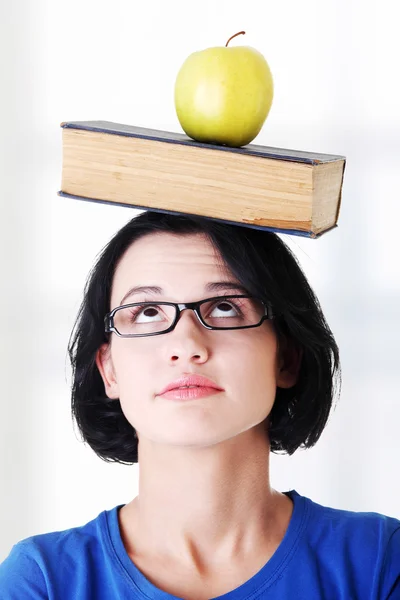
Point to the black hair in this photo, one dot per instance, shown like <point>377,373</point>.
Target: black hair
<point>265,265</point>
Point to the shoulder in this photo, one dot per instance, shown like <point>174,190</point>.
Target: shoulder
<point>33,563</point>
<point>361,526</point>
<point>21,575</point>
<point>364,544</point>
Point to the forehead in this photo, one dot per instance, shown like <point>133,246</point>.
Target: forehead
<point>170,261</point>
<point>167,250</point>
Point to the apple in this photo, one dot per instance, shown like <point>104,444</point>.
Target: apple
<point>224,94</point>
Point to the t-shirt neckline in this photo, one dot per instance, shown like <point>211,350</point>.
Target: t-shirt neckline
<point>259,582</point>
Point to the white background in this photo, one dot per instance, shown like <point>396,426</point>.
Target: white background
<point>335,69</point>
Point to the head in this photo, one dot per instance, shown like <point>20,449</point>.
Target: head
<point>280,376</point>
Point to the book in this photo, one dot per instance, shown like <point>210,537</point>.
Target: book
<point>275,189</point>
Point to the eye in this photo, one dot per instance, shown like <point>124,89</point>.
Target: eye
<point>146,313</point>
<point>224,307</point>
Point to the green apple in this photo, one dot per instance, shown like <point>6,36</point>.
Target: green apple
<point>224,94</point>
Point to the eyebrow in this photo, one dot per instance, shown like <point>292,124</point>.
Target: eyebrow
<point>210,287</point>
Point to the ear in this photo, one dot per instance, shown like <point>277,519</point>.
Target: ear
<point>105,365</point>
<point>290,357</point>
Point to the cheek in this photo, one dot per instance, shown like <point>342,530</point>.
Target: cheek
<point>134,368</point>
<point>253,365</point>
<point>256,374</point>
<point>135,377</point>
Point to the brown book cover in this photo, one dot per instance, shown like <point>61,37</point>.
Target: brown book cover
<point>275,189</point>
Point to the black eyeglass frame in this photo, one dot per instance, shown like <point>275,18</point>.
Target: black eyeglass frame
<point>179,307</point>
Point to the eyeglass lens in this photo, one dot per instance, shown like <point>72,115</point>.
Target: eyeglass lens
<point>153,318</point>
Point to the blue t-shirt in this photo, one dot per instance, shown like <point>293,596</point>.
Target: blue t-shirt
<point>326,554</point>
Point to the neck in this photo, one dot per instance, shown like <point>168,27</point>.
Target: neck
<point>205,501</point>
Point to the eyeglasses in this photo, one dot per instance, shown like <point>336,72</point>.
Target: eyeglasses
<point>155,318</point>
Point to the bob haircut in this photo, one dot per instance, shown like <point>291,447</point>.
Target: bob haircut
<point>265,265</point>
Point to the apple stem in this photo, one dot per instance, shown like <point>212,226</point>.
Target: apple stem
<point>231,38</point>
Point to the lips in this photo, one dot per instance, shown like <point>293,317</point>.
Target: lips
<point>189,380</point>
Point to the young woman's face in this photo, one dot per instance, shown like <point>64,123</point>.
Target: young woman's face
<point>244,363</point>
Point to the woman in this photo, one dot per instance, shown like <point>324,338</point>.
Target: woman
<point>199,393</point>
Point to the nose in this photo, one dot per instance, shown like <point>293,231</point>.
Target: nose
<point>188,343</point>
